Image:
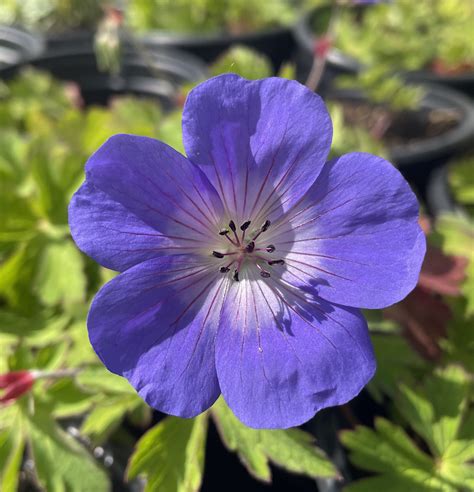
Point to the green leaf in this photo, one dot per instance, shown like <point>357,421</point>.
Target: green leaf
<point>457,464</point>
<point>448,390</point>
<point>397,483</point>
<point>396,362</point>
<point>67,399</point>
<point>171,455</point>
<point>107,416</point>
<point>61,278</point>
<point>61,462</point>
<point>243,61</point>
<point>97,378</point>
<point>387,449</point>
<point>435,409</point>
<point>291,449</point>
<point>241,439</point>
<point>461,179</point>
<point>12,445</point>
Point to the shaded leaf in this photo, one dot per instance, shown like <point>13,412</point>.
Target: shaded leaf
<point>291,449</point>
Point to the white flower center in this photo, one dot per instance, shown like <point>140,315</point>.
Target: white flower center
<point>245,247</point>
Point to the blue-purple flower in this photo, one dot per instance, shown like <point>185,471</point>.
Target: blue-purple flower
<point>244,263</point>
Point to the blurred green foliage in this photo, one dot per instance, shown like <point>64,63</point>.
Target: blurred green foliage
<point>208,16</point>
<point>181,16</point>
<point>53,15</point>
<point>461,180</point>
<point>398,36</point>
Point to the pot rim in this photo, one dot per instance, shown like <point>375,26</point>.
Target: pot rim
<point>451,142</point>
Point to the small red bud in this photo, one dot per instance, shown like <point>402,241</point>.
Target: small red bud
<point>321,46</point>
<point>15,384</point>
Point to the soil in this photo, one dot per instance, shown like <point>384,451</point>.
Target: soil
<point>400,127</point>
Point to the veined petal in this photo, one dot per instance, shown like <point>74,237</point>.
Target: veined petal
<point>109,233</point>
<point>354,238</point>
<point>282,355</point>
<point>155,324</point>
<point>261,143</point>
<point>157,185</point>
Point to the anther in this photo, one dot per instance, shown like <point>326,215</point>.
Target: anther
<point>245,225</point>
<point>232,226</point>
<point>265,274</point>
<point>236,275</point>
<point>217,254</point>
<point>224,269</point>
<point>250,247</point>
<point>265,225</point>
<point>223,232</point>
<point>276,262</point>
<point>270,248</point>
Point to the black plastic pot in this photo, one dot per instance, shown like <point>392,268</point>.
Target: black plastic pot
<point>463,82</point>
<point>416,160</point>
<point>439,198</point>
<point>17,46</point>
<point>277,43</point>
<point>159,75</point>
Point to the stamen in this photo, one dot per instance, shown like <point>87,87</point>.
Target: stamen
<point>224,269</point>
<point>234,229</point>
<point>250,247</point>
<point>223,232</point>
<point>245,225</point>
<point>263,273</point>
<point>265,225</point>
<point>276,262</point>
<point>221,255</point>
<point>236,275</point>
<point>270,248</point>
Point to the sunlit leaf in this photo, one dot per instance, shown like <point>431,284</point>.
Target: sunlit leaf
<point>171,455</point>
<point>61,278</point>
<point>62,463</point>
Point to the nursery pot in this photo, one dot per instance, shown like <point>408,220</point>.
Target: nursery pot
<point>159,75</point>
<point>277,44</point>
<point>18,46</point>
<point>462,82</point>
<point>439,198</point>
<point>414,152</point>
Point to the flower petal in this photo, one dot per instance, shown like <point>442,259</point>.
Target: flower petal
<point>109,233</point>
<point>155,324</point>
<point>159,186</point>
<point>355,236</point>
<point>283,355</point>
<point>261,143</point>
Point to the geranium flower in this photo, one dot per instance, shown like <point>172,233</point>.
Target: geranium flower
<point>243,265</point>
